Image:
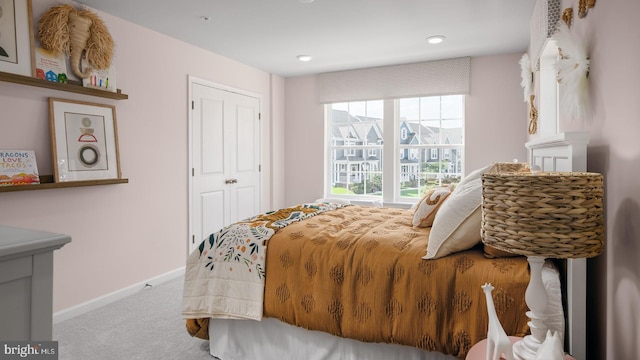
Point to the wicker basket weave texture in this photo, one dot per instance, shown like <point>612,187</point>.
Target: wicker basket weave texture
<point>552,215</point>
<point>512,167</point>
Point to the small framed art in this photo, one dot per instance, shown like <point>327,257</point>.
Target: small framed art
<point>84,140</point>
<point>16,36</point>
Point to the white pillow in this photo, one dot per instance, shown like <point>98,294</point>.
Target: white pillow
<point>427,207</point>
<point>456,226</point>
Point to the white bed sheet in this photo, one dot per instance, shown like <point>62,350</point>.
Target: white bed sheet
<point>271,339</point>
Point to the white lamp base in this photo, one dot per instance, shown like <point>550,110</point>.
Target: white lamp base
<point>526,348</point>
<point>537,300</point>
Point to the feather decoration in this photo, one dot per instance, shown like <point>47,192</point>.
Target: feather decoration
<point>527,76</point>
<point>572,70</point>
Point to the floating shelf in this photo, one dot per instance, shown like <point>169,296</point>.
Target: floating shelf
<point>46,182</point>
<point>69,87</point>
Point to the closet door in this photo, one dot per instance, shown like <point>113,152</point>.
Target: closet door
<point>225,148</point>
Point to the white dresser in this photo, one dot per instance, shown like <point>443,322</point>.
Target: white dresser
<point>26,283</point>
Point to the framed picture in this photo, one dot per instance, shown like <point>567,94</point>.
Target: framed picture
<point>84,141</point>
<point>16,34</point>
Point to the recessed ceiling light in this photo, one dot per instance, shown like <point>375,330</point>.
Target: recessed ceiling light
<point>305,1</point>
<point>435,39</point>
<point>205,18</point>
<point>304,58</point>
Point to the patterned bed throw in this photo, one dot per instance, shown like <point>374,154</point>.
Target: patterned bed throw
<point>358,272</point>
<point>224,278</point>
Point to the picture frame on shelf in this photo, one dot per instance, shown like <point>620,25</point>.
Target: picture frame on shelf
<point>16,37</point>
<point>84,140</point>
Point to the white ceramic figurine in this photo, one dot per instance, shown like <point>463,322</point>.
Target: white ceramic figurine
<point>498,342</point>
<point>551,348</point>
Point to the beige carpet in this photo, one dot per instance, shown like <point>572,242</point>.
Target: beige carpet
<point>146,325</point>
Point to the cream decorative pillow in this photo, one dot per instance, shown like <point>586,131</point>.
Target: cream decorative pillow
<point>456,226</point>
<point>427,207</point>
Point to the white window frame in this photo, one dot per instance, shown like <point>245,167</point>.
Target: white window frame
<point>391,157</point>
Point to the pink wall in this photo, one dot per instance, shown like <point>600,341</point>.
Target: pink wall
<point>610,30</point>
<point>277,132</point>
<point>125,234</point>
<point>496,115</point>
<point>493,109</point>
<point>304,141</point>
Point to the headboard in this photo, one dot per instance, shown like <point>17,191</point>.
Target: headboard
<point>568,152</point>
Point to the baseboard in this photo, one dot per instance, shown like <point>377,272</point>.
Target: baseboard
<point>114,296</point>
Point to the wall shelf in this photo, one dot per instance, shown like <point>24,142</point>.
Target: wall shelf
<point>70,87</point>
<point>46,182</point>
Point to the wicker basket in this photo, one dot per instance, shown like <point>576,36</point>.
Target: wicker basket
<point>512,167</point>
<point>552,215</point>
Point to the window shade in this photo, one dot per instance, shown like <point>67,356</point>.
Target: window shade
<point>440,77</point>
<point>545,18</point>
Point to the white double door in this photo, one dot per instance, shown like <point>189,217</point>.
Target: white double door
<point>225,159</point>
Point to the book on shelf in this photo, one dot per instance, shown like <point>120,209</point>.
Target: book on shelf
<point>100,79</point>
<point>49,67</point>
<point>18,167</point>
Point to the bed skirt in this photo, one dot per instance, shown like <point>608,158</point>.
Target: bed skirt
<point>272,339</point>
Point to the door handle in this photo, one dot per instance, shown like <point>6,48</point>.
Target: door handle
<point>231,181</point>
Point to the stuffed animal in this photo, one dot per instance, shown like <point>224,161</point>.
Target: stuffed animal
<point>77,33</point>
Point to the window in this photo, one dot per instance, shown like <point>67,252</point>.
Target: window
<point>351,151</point>
<point>356,136</point>
<point>437,123</point>
<point>426,132</point>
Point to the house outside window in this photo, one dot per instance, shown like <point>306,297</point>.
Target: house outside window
<point>350,151</point>
<point>355,134</point>
<point>426,132</point>
<point>437,123</point>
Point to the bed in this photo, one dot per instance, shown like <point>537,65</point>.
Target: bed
<point>344,281</point>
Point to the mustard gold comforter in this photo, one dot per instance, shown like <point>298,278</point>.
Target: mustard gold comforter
<point>358,272</point>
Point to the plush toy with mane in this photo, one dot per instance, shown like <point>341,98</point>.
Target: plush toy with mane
<point>572,73</point>
<point>76,33</point>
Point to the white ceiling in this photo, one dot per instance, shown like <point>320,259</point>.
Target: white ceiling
<point>339,34</point>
